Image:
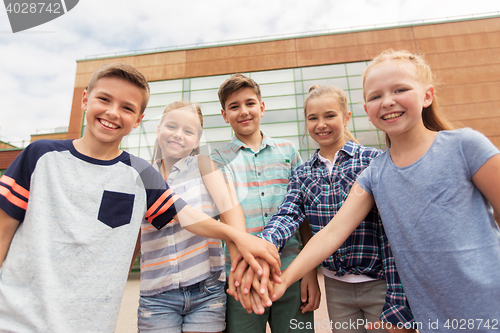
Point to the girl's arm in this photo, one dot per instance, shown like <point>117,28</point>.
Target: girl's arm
<point>355,208</point>
<point>8,227</point>
<point>249,246</point>
<point>487,180</point>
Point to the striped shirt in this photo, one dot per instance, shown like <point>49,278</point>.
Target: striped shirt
<point>174,257</point>
<point>315,193</point>
<point>260,179</point>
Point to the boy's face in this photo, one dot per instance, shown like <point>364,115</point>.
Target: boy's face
<point>113,110</point>
<point>243,112</point>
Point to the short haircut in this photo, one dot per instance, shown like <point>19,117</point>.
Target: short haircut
<point>125,72</point>
<point>234,84</point>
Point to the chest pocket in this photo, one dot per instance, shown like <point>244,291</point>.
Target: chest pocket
<point>116,208</point>
<point>442,192</point>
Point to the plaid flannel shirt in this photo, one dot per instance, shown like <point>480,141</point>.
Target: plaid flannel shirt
<point>316,195</point>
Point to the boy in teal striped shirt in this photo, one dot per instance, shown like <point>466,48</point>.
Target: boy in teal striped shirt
<point>260,167</point>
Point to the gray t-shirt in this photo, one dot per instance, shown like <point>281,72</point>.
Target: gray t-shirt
<point>444,238</point>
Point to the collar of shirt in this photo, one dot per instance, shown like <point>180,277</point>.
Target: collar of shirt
<point>349,148</point>
<point>266,141</point>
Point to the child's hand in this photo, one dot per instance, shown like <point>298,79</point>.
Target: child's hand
<point>382,325</point>
<point>252,247</point>
<point>310,293</point>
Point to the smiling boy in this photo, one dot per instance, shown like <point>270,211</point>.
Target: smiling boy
<point>260,168</point>
<point>70,213</point>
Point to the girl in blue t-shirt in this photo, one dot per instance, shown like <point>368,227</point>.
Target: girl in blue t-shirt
<point>435,189</point>
<point>182,274</point>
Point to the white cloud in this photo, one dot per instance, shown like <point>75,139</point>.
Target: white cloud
<point>38,66</point>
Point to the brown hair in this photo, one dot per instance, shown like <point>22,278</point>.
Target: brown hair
<point>125,72</point>
<point>234,84</point>
<point>185,106</point>
<point>335,92</point>
<point>431,116</point>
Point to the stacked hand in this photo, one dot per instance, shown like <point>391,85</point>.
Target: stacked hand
<point>256,292</point>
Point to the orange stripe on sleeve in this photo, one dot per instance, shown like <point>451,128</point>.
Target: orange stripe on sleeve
<point>158,202</point>
<point>17,188</point>
<point>12,198</point>
<point>166,206</point>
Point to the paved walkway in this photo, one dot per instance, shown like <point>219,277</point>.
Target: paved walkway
<point>127,319</point>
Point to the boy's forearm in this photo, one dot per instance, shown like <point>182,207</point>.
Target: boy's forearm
<point>8,227</point>
<point>202,225</point>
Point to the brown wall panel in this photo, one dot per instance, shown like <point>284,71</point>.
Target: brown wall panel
<point>488,127</point>
<point>165,72</point>
<point>464,58</point>
<point>245,50</point>
<point>461,112</point>
<point>347,54</point>
<point>239,65</point>
<point>468,75</point>
<point>470,93</point>
<point>459,43</point>
<point>7,157</point>
<point>76,118</point>
<point>457,28</point>
<point>355,39</point>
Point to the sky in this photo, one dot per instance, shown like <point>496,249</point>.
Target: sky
<point>38,66</point>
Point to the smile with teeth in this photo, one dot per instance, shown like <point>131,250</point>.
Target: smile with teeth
<point>108,124</point>
<point>392,115</point>
<point>323,133</point>
<point>175,144</point>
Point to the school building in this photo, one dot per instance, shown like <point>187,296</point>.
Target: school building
<point>463,53</point>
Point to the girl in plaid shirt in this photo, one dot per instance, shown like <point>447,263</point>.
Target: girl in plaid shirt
<point>361,280</point>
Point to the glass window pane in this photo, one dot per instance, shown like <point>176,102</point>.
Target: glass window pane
<point>356,96</point>
<point>217,134</point>
<point>281,75</point>
<point>282,129</point>
<point>368,138</point>
<point>358,109</point>
<point>160,87</point>
<point>164,99</point>
<point>131,140</point>
<point>153,113</point>
<point>319,72</point>
<point>210,108</point>
<point>284,102</point>
<point>150,126</point>
<point>208,82</point>
<point>214,121</point>
<point>340,82</point>
<point>204,96</point>
<point>355,82</point>
<point>277,89</point>
<point>362,124</point>
<point>145,153</point>
<point>355,68</point>
<point>279,116</point>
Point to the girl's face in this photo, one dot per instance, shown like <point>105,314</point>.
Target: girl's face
<point>325,122</point>
<point>395,97</point>
<point>178,134</point>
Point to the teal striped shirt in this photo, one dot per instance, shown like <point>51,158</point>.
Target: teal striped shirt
<point>260,179</point>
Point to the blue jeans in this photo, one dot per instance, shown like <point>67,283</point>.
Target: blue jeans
<point>197,308</point>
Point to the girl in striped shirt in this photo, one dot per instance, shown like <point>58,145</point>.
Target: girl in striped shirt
<point>182,274</point>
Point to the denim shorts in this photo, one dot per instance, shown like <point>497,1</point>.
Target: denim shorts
<point>197,308</point>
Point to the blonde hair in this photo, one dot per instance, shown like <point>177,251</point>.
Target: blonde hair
<point>125,72</point>
<point>184,106</point>
<point>335,92</point>
<point>234,84</point>
<point>431,116</point>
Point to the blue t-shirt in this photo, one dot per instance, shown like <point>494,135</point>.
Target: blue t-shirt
<point>444,238</point>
